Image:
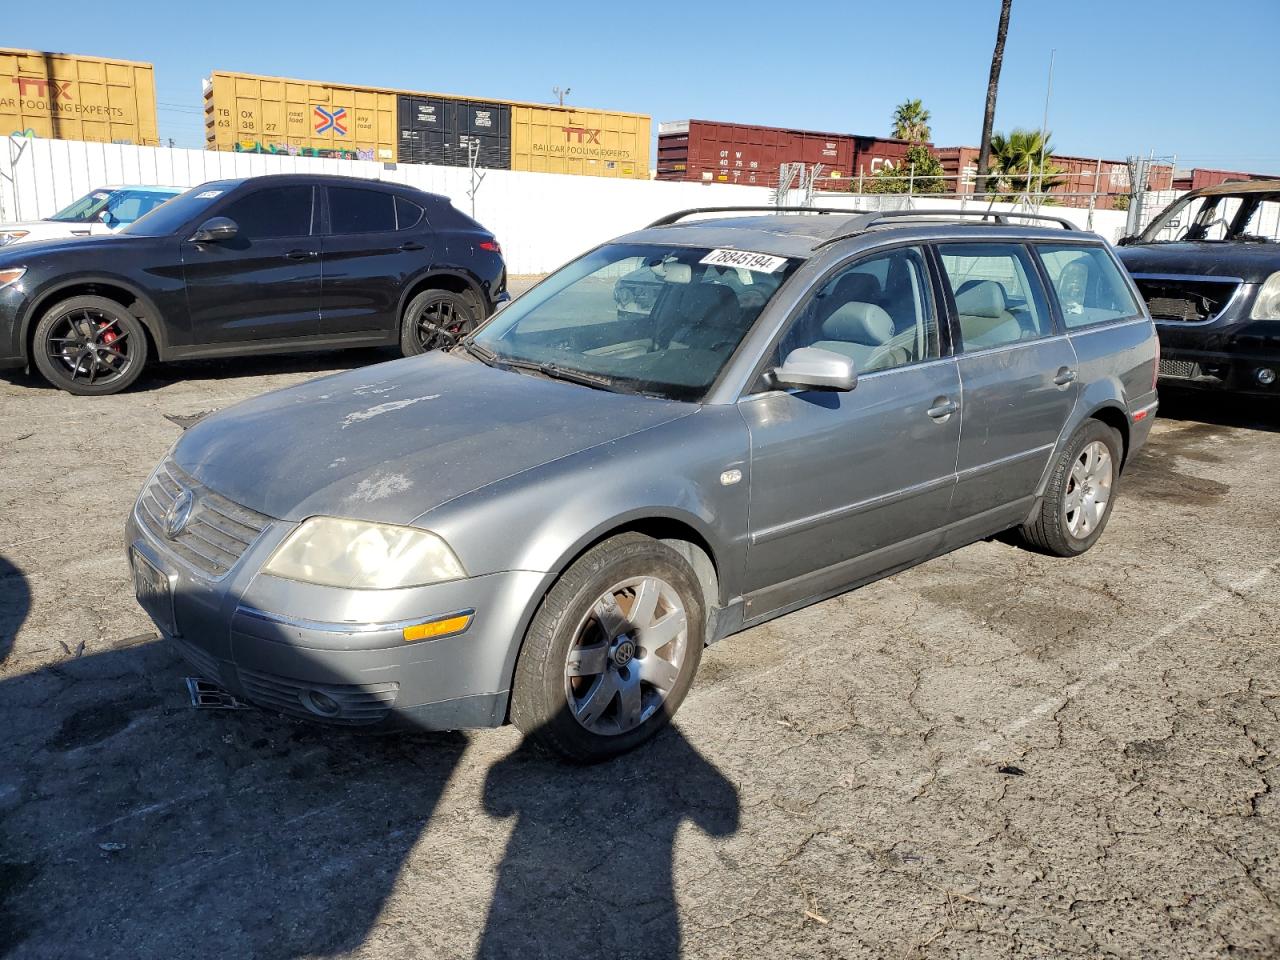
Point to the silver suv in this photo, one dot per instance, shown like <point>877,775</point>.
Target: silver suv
<point>548,522</point>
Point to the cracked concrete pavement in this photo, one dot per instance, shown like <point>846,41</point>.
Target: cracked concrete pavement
<point>994,754</point>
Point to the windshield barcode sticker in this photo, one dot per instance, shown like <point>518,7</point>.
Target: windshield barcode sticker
<point>744,259</point>
<point>208,194</point>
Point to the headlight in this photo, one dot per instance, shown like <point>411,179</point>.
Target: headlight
<point>12,275</point>
<point>1266,305</point>
<point>363,556</point>
<point>12,236</point>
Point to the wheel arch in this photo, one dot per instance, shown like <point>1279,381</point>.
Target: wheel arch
<point>454,280</point>
<point>112,288</point>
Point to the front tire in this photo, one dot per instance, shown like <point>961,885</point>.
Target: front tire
<point>1080,494</point>
<point>435,320</point>
<point>612,651</point>
<point>89,346</point>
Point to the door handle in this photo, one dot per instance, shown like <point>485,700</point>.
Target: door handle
<point>942,408</point>
<point>301,255</point>
<point>412,245</point>
<point>1065,375</point>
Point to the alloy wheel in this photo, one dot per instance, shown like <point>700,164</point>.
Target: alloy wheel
<point>90,345</point>
<point>1088,489</point>
<point>441,323</point>
<point>626,656</point>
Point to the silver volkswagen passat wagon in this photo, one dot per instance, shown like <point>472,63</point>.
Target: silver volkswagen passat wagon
<point>682,434</point>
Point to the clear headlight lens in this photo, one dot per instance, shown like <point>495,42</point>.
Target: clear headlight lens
<point>12,275</point>
<point>12,236</point>
<point>363,556</point>
<point>1266,305</point>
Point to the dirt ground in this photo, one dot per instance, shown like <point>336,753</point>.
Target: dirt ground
<point>995,754</point>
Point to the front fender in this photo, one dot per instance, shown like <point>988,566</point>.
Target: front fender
<point>48,293</point>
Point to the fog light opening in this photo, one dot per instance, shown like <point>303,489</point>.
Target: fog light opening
<point>1265,376</point>
<point>320,704</point>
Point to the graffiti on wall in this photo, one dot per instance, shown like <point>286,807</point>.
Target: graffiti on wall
<point>293,150</point>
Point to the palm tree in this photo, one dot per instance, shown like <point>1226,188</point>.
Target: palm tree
<point>1022,160</point>
<point>911,121</point>
<point>993,82</point>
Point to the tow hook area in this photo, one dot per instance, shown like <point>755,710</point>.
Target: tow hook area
<point>206,695</point>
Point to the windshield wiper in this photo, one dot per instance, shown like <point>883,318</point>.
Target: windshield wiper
<point>483,354</point>
<point>554,372</point>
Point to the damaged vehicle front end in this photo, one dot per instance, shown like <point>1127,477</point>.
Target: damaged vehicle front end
<point>1209,269</point>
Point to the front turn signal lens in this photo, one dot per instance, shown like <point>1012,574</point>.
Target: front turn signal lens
<point>12,275</point>
<point>434,629</point>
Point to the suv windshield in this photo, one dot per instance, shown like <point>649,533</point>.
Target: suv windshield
<point>1241,217</point>
<point>639,318</point>
<point>168,217</point>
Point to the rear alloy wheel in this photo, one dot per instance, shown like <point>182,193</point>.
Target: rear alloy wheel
<point>612,651</point>
<point>435,320</point>
<point>1080,493</point>
<point>90,346</point>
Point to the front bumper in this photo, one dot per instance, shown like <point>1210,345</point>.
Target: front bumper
<point>1226,355</point>
<point>338,656</point>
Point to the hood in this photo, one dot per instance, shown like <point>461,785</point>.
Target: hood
<point>392,441</point>
<point>25,250</point>
<point>1252,262</point>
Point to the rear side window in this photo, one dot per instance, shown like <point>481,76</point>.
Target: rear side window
<point>272,213</point>
<point>352,210</point>
<point>998,300</point>
<point>408,214</point>
<point>1088,284</point>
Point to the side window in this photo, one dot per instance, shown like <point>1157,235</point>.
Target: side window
<point>1088,284</point>
<point>272,213</point>
<point>408,214</point>
<point>998,299</point>
<point>352,210</point>
<point>878,312</point>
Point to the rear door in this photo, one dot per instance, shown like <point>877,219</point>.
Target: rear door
<point>376,244</point>
<point>264,284</point>
<point>1018,372</point>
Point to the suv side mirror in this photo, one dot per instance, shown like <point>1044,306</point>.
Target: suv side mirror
<point>215,230</point>
<point>813,368</point>
<point>104,216</point>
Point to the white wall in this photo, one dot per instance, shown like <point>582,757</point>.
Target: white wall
<point>542,220</point>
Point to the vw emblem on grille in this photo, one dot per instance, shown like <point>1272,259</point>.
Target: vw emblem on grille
<point>179,512</point>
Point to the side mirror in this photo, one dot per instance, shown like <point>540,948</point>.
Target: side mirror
<point>813,368</point>
<point>104,216</point>
<point>215,230</point>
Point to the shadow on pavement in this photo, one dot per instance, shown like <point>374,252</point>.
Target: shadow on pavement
<point>132,826</point>
<point>588,870</point>
<point>15,603</point>
<point>1220,409</point>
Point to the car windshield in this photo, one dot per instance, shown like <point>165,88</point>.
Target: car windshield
<point>169,217</point>
<point>120,206</point>
<point>640,318</point>
<point>1232,217</point>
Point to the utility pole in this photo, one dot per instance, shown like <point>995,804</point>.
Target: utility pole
<point>993,84</point>
<point>561,94</point>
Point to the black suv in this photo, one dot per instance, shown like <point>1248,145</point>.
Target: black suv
<point>1209,269</point>
<point>257,265</point>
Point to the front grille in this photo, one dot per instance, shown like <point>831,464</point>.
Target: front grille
<point>358,704</point>
<point>218,532</point>
<point>1181,369</point>
<point>1185,301</point>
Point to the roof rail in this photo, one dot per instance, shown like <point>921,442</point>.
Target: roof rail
<point>671,218</point>
<point>868,220</point>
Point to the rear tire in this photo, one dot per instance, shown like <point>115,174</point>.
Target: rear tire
<point>435,320</point>
<point>89,346</point>
<point>1081,491</point>
<point>611,652</point>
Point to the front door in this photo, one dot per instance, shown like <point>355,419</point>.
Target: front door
<point>1019,377</point>
<point>845,486</point>
<point>264,284</point>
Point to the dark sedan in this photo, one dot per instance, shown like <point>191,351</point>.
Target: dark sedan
<point>1209,269</point>
<point>256,265</point>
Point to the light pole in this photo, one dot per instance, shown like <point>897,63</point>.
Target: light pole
<point>561,94</point>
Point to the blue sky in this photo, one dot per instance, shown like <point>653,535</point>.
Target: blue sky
<point>1128,77</point>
